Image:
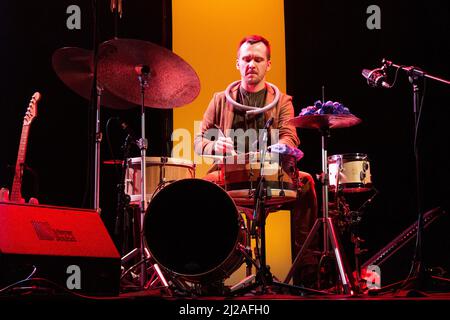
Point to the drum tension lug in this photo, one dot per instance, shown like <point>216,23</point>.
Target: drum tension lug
<point>268,193</point>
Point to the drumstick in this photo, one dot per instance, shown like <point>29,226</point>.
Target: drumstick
<point>220,131</point>
<point>233,153</point>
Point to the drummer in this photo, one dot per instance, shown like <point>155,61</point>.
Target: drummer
<point>239,111</point>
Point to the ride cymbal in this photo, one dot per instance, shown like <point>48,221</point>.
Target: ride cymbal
<point>75,67</point>
<point>171,83</point>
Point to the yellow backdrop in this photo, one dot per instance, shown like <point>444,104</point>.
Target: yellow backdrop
<point>206,34</point>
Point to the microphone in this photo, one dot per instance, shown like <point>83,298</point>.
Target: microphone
<point>264,132</point>
<point>266,126</point>
<point>375,78</point>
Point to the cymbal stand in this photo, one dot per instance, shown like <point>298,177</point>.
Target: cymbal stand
<point>142,144</point>
<point>96,94</point>
<point>329,232</point>
<point>144,255</point>
<point>98,140</point>
<point>264,278</point>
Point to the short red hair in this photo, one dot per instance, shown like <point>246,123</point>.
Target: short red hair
<point>254,38</point>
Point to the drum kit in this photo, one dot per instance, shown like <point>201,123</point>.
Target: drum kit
<point>193,228</point>
<point>128,73</point>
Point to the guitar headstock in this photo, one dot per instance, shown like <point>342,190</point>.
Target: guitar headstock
<point>32,109</point>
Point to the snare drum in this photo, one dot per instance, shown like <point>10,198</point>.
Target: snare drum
<point>239,177</point>
<point>349,171</point>
<point>159,172</point>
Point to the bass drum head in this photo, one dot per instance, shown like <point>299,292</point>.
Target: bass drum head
<point>192,228</point>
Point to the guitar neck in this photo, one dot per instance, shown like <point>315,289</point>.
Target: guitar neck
<point>16,192</point>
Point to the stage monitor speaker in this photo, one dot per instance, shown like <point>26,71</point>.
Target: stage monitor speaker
<point>395,259</point>
<point>68,247</point>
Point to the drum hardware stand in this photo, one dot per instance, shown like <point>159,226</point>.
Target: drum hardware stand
<point>98,140</point>
<point>247,249</point>
<point>156,277</point>
<point>123,201</point>
<point>355,219</point>
<point>94,113</point>
<point>352,218</point>
<point>264,280</point>
<point>329,232</point>
<point>418,275</point>
<point>143,72</point>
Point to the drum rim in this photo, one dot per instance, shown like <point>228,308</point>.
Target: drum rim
<point>253,157</point>
<point>349,156</point>
<point>353,187</point>
<point>157,161</point>
<point>199,277</point>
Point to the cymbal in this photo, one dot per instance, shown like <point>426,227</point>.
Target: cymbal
<point>172,82</point>
<point>322,121</point>
<point>75,67</point>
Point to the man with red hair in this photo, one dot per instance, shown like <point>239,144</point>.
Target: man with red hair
<point>253,103</point>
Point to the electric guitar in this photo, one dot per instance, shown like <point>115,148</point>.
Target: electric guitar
<point>16,191</point>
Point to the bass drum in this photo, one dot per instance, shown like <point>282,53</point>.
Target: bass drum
<point>193,228</point>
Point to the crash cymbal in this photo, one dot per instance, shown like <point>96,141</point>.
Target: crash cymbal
<point>74,66</point>
<point>172,82</point>
<point>321,121</point>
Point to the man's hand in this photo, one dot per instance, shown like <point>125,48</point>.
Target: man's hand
<point>224,145</point>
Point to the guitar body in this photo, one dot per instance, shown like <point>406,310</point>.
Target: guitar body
<point>16,190</point>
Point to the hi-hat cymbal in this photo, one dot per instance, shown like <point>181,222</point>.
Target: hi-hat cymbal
<point>74,66</point>
<point>323,121</point>
<point>172,82</point>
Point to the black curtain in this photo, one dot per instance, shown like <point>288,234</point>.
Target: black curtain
<point>30,32</point>
<point>328,44</point>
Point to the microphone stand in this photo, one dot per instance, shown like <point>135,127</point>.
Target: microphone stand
<point>418,274</point>
<point>259,215</point>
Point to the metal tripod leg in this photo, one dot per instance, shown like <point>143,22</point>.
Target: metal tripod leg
<point>308,240</point>
<point>330,234</point>
<point>346,278</point>
<point>154,278</point>
<point>153,273</point>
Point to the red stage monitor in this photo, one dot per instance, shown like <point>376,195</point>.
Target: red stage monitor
<point>70,247</point>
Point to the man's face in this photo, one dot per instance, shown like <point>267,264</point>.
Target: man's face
<point>252,63</point>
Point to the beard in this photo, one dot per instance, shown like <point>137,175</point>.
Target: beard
<point>253,80</point>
